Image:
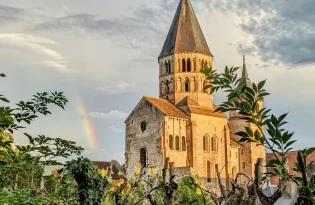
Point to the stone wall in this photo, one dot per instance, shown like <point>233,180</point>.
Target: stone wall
<point>150,139</point>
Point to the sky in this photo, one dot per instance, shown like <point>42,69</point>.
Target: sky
<point>103,56</point>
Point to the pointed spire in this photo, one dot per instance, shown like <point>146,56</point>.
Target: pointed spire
<point>185,34</point>
<point>245,79</point>
<point>244,73</point>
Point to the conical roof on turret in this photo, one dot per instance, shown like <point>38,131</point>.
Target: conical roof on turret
<point>245,79</point>
<point>185,34</point>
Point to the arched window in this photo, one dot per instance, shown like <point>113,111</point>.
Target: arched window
<point>183,143</point>
<point>143,157</point>
<point>202,63</point>
<point>205,143</point>
<point>213,144</point>
<point>188,65</point>
<point>177,142</point>
<point>234,172</point>
<point>166,68</point>
<point>208,171</point>
<point>206,64</point>
<point>171,143</point>
<point>187,86</point>
<point>183,65</point>
<point>167,87</point>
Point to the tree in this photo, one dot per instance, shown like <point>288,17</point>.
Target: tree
<point>91,185</point>
<point>21,168</point>
<point>279,140</point>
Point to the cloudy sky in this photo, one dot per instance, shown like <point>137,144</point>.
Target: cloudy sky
<point>103,56</point>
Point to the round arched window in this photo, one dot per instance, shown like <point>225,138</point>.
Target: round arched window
<point>143,126</point>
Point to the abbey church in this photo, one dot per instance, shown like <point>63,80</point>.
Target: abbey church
<point>181,124</point>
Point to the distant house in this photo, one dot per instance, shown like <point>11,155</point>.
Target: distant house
<point>292,159</point>
<point>114,166</point>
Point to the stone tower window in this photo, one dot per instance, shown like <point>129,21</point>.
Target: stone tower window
<point>208,172</point>
<point>183,143</point>
<point>183,65</point>
<point>234,172</point>
<point>243,165</point>
<point>213,144</point>
<point>167,87</point>
<point>187,86</point>
<point>177,142</point>
<point>143,157</point>
<point>205,143</point>
<point>171,143</point>
<point>143,126</point>
<point>188,65</point>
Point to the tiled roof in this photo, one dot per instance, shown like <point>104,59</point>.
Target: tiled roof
<point>234,143</point>
<point>166,107</point>
<point>201,111</point>
<point>116,168</point>
<point>185,34</point>
<point>186,101</point>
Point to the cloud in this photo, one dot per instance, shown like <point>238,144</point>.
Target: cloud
<point>9,14</point>
<point>119,88</point>
<point>111,115</point>
<point>126,31</point>
<point>113,128</point>
<point>34,49</point>
<point>282,31</point>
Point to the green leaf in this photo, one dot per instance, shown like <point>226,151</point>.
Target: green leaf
<point>289,144</point>
<point>249,131</point>
<point>309,151</point>
<point>2,75</point>
<point>257,135</point>
<point>261,85</point>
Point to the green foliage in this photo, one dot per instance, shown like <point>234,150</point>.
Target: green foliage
<point>22,167</point>
<point>188,194</point>
<point>23,196</point>
<point>245,100</point>
<point>91,185</point>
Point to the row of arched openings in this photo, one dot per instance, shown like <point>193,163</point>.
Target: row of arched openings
<point>188,65</point>
<point>185,65</point>
<point>209,144</point>
<point>177,143</point>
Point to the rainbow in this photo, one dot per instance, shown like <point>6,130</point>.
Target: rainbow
<point>87,125</point>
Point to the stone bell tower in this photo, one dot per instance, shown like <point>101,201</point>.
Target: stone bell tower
<point>184,54</point>
<point>249,152</point>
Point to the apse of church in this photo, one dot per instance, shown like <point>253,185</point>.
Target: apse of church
<point>181,124</point>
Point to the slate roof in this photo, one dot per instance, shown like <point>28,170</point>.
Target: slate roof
<point>185,34</point>
<point>166,107</point>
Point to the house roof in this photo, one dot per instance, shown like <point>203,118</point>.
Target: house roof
<point>185,34</point>
<point>166,107</point>
<point>201,111</point>
<point>187,101</point>
<point>234,143</point>
<point>114,165</point>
